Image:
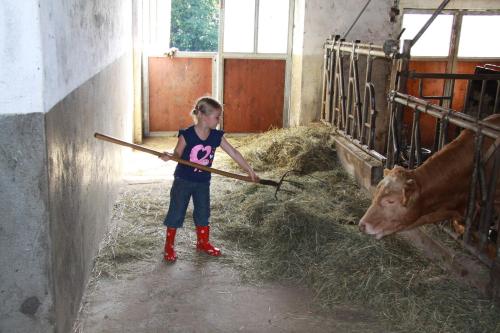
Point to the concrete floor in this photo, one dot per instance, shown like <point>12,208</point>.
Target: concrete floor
<point>187,297</point>
<point>203,294</point>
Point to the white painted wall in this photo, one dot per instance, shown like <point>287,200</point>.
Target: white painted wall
<point>65,72</point>
<point>21,57</point>
<point>80,38</point>
<point>297,55</point>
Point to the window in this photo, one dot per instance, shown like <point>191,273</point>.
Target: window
<point>273,26</point>
<point>476,36</point>
<point>435,42</point>
<point>240,28</point>
<point>195,25</point>
<point>239,18</point>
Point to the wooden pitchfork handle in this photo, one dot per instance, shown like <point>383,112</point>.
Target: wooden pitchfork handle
<point>188,163</point>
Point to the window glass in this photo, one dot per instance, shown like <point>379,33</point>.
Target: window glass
<point>273,26</point>
<point>478,35</point>
<point>435,42</point>
<point>239,18</point>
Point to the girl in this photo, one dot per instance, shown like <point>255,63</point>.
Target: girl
<point>197,144</point>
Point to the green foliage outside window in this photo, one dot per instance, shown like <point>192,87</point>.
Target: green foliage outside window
<point>195,25</point>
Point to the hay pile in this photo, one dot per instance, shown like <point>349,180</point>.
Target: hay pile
<point>305,149</point>
<point>311,237</point>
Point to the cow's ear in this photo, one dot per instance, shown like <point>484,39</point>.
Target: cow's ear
<point>386,172</point>
<point>409,189</point>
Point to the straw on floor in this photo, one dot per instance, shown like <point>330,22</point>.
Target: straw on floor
<point>307,237</point>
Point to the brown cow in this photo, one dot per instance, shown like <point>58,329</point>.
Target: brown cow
<point>435,191</point>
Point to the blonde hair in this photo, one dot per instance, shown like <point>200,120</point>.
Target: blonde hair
<point>205,105</point>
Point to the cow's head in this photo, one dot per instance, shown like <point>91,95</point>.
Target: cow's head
<point>394,206</point>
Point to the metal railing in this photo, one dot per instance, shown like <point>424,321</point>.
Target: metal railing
<point>346,103</point>
<point>350,107</point>
<point>397,149</point>
<point>480,223</point>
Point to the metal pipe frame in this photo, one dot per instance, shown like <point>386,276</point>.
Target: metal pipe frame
<point>456,118</point>
<point>483,182</point>
<point>429,22</point>
<point>353,111</point>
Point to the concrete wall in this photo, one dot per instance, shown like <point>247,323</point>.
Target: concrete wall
<point>25,289</point>
<point>66,73</point>
<point>81,38</point>
<point>322,18</point>
<point>26,301</point>
<point>83,177</point>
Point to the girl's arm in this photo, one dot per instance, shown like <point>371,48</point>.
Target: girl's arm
<point>236,156</point>
<point>178,150</point>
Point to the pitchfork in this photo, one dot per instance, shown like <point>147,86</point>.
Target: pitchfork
<point>202,167</point>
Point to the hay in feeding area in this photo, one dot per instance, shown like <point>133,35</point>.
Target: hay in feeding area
<point>311,237</point>
<point>305,149</point>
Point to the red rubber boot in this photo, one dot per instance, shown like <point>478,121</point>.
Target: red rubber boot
<point>170,254</point>
<point>203,244</point>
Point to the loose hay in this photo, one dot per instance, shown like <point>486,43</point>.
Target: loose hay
<point>135,234</point>
<point>309,237</point>
<point>306,149</point>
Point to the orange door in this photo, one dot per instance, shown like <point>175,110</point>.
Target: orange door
<point>174,86</point>
<point>253,94</point>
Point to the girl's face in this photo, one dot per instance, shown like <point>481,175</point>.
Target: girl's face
<point>212,119</point>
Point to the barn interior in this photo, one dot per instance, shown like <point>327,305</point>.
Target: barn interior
<point>335,91</point>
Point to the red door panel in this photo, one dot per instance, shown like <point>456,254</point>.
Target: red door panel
<point>253,94</point>
<point>430,87</point>
<point>174,86</point>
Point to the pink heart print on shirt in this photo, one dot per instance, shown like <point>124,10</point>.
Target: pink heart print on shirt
<point>193,156</point>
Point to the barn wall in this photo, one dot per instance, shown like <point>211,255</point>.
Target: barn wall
<point>88,88</point>
<point>83,177</point>
<point>67,73</point>
<point>297,56</point>
<point>321,18</point>
<point>24,230</point>
<point>25,291</point>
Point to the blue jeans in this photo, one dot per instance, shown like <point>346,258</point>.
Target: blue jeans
<point>180,194</point>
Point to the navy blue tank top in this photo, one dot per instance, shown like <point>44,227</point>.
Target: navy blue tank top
<point>198,151</point>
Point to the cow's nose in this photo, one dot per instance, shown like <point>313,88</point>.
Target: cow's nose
<point>362,227</point>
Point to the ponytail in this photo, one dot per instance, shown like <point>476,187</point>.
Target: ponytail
<point>205,105</point>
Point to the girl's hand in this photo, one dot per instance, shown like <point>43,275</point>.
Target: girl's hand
<point>253,175</point>
<point>165,156</point>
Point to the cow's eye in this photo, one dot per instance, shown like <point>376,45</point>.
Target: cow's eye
<point>388,201</point>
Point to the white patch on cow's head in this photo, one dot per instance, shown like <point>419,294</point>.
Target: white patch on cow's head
<point>390,182</point>
<point>391,209</point>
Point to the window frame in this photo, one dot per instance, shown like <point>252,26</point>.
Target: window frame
<point>430,12</point>
<point>151,48</point>
<point>455,33</point>
<point>287,57</point>
<point>254,51</point>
